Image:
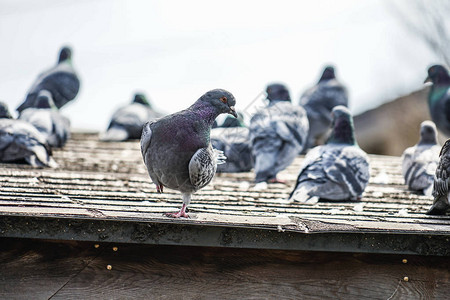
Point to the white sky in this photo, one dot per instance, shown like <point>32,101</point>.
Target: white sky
<point>174,51</point>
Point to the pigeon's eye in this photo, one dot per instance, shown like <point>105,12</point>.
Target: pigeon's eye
<point>223,99</point>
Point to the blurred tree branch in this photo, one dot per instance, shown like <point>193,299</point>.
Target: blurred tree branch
<point>429,20</point>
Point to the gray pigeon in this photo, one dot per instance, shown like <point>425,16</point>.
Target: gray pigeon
<point>420,161</point>
<point>177,150</point>
<point>439,97</point>
<point>277,134</point>
<point>127,122</point>
<point>235,144</point>
<point>48,120</point>
<point>318,102</point>
<point>20,140</point>
<point>441,202</point>
<point>61,81</point>
<point>338,170</point>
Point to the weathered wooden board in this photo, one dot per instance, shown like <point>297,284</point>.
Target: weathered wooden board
<point>48,270</point>
<point>108,181</point>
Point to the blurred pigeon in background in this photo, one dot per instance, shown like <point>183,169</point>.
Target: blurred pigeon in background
<point>128,121</point>
<point>48,120</point>
<point>277,134</point>
<point>439,97</point>
<point>235,144</point>
<point>20,140</point>
<point>441,203</point>
<point>318,102</point>
<point>177,150</point>
<point>338,170</point>
<point>230,121</point>
<point>61,81</point>
<point>420,161</point>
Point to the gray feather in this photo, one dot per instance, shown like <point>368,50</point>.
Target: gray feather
<point>20,140</point>
<point>277,134</point>
<point>318,102</point>
<point>235,144</point>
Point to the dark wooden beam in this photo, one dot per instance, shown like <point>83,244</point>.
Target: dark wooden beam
<point>221,236</point>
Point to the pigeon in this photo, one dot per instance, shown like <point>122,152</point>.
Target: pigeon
<point>419,162</point>
<point>234,143</point>
<point>439,97</point>
<point>338,170</point>
<point>48,120</point>
<point>177,151</point>
<point>61,81</point>
<point>441,203</point>
<point>318,102</point>
<point>278,133</point>
<point>19,140</point>
<point>128,121</point>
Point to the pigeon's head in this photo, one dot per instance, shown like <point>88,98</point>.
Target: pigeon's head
<point>4,111</point>
<point>428,133</point>
<point>342,126</point>
<point>140,98</point>
<point>64,54</point>
<point>328,73</point>
<point>438,74</point>
<point>277,92</point>
<point>44,100</point>
<point>222,101</point>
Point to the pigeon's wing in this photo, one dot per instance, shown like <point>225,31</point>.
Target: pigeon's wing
<point>320,100</point>
<point>61,81</point>
<point>419,165</point>
<point>61,129</point>
<point>128,121</point>
<point>407,162</point>
<point>20,140</point>
<point>235,144</point>
<point>145,140</point>
<point>441,187</point>
<point>349,166</point>
<point>280,122</point>
<point>202,167</point>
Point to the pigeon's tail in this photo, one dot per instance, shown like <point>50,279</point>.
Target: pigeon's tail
<point>41,158</point>
<point>439,207</point>
<point>264,166</point>
<point>114,134</point>
<point>219,157</point>
<point>428,191</point>
<point>301,194</point>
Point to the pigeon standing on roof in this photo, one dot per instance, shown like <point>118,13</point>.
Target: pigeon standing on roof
<point>420,161</point>
<point>318,102</point>
<point>61,81</point>
<point>20,140</point>
<point>338,170</point>
<point>177,150</point>
<point>439,97</point>
<point>441,203</point>
<point>48,120</point>
<point>277,134</point>
<point>128,121</point>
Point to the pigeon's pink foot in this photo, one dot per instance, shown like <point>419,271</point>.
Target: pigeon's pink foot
<point>181,214</point>
<point>159,188</point>
<point>276,180</point>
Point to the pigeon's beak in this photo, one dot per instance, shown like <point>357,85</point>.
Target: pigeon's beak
<point>233,112</point>
<point>427,80</point>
